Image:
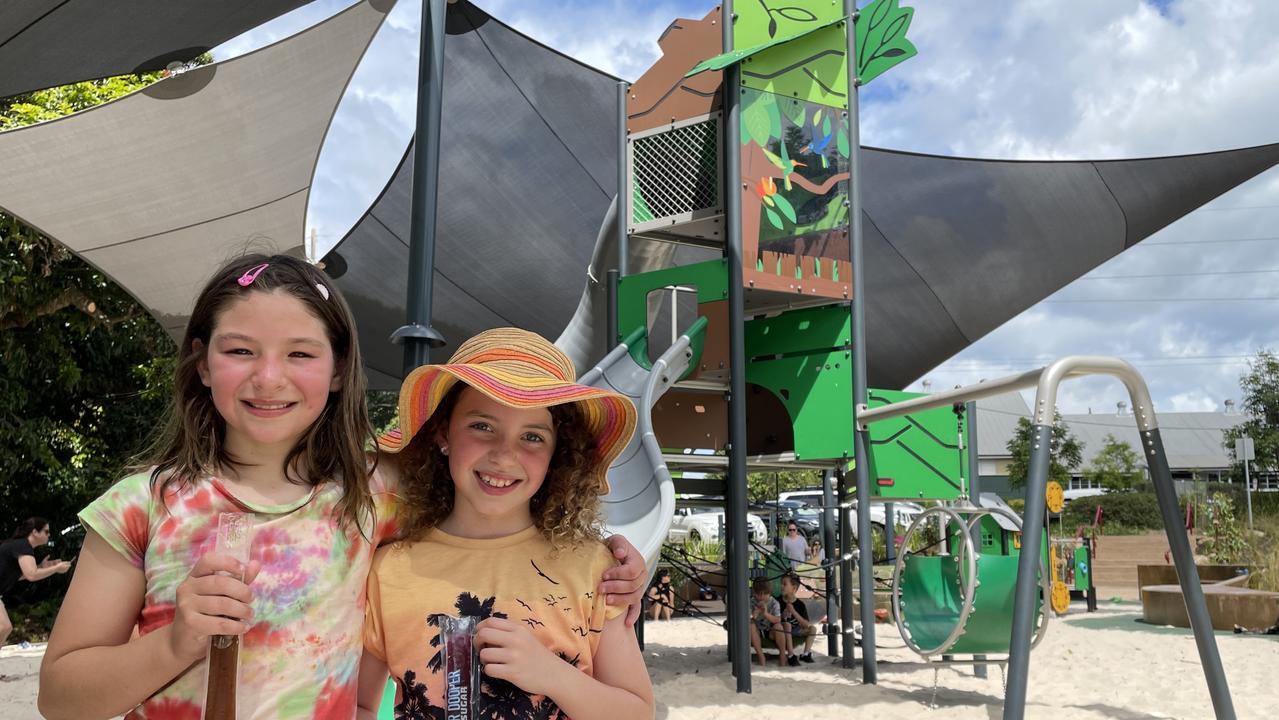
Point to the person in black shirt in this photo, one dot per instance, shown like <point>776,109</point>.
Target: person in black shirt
<point>661,596</point>
<point>795,614</point>
<point>18,562</point>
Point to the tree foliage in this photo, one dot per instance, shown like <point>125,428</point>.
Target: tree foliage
<point>762,486</point>
<point>1260,385</point>
<point>1116,467</point>
<point>1065,453</point>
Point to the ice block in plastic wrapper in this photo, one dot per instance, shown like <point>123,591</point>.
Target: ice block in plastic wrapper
<point>461,667</point>
<point>234,538</point>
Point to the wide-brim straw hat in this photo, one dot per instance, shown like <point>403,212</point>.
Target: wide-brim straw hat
<point>519,369</point>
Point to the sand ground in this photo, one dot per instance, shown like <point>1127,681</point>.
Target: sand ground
<point>1089,666</point>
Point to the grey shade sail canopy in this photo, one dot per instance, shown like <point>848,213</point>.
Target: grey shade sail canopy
<point>527,172</point>
<point>44,43</point>
<point>160,187</point>
<point>954,247</point>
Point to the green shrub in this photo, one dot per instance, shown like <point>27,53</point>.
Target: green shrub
<point>1137,511</point>
<point>1018,505</point>
<point>1224,540</point>
<point>32,621</point>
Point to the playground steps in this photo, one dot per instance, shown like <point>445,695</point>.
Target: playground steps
<point>1115,566</point>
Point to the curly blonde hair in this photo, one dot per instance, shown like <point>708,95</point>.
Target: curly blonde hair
<point>566,509</point>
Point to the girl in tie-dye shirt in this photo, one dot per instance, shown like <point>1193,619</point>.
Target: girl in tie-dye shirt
<point>268,420</point>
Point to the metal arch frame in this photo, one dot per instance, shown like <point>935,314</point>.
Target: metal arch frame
<point>968,556</point>
<point>1046,380</point>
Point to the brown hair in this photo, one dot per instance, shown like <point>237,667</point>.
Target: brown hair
<point>566,509</point>
<point>192,443</point>
<point>761,585</point>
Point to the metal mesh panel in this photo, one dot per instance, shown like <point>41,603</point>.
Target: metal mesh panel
<point>676,171</point>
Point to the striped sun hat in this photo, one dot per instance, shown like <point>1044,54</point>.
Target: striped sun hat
<point>519,369</point>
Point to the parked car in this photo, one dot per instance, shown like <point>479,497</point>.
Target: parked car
<point>903,511</point>
<point>787,511</point>
<point>703,524</point>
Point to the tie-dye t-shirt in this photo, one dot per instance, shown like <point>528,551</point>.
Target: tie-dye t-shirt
<point>300,658</point>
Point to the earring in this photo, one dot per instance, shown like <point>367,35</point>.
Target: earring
<point>444,449</point>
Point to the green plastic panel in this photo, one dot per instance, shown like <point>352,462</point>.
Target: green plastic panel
<point>931,600</point>
<point>811,68</point>
<point>1083,571</point>
<point>802,357</point>
<point>711,280</point>
<point>719,62</point>
<point>761,22</point>
<point>916,456</point>
<point>881,44</point>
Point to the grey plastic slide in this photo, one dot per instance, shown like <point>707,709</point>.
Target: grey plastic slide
<point>641,499</point>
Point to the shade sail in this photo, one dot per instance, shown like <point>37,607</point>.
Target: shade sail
<point>161,186</point>
<point>527,171</point>
<point>44,43</point>
<point>953,248</point>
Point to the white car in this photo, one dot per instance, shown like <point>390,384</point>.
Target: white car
<point>904,512</point>
<point>703,524</point>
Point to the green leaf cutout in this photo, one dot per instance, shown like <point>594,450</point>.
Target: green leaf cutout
<point>881,39</point>
<point>841,142</point>
<point>826,127</point>
<point>784,205</point>
<point>773,218</point>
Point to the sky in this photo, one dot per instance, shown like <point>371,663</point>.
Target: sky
<point>1007,79</point>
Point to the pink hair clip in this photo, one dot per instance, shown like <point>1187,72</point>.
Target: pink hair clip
<point>252,274</point>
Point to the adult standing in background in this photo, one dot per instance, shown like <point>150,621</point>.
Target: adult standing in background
<point>18,562</point>
<point>794,545</point>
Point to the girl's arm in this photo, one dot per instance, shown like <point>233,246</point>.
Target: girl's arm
<point>373,675</point>
<point>620,689</point>
<point>91,669</point>
<point>624,583</point>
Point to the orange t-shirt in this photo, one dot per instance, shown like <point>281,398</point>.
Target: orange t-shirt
<point>517,577</point>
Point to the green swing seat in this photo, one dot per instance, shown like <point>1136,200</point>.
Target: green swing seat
<point>932,599</point>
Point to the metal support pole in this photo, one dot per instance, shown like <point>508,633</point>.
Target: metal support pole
<point>890,532</point>
<point>614,279</point>
<point>1187,574</point>
<point>417,334</point>
<point>830,518</point>
<point>845,571</point>
<point>974,491</point>
<point>1026,595</point>
<point>1247,489</point>
<point>861,437</point>
<point>974,468</point>
<point>623,184</point>
<point>735,496</point>
<point>1092,586</point>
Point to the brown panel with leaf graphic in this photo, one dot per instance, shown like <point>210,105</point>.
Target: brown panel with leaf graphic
<point>663,95</point>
